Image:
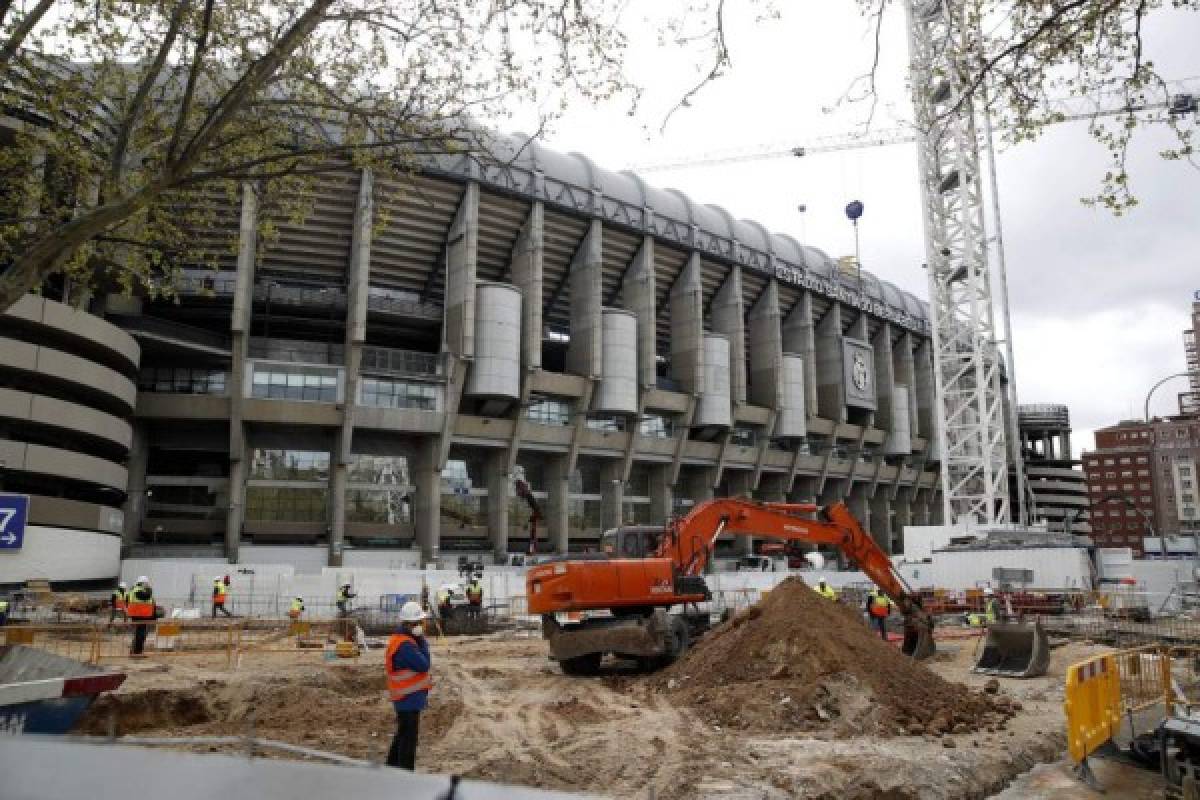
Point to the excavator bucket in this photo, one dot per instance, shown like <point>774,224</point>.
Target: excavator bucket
<point>918,639</point>
<point>1015,650</point>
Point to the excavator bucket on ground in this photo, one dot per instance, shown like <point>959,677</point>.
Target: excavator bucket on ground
<point>1015,650</point>
<point>918,640</point>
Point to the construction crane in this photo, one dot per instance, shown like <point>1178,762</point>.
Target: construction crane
<point>972,427</point>
<point>1181,97</point>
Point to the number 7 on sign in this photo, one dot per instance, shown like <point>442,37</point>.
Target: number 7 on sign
<point>6,516</point>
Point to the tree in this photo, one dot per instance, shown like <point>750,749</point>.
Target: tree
<point>128,120</point>
<point>1029,54</point>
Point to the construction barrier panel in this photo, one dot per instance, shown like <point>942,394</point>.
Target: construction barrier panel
<point>1092,702</point>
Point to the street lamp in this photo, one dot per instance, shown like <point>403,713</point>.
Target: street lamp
<point>1146,410</point>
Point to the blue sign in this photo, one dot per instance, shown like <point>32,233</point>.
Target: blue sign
<point>14,511</point>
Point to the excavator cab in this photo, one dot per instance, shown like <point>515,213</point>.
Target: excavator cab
<point>631,541</point>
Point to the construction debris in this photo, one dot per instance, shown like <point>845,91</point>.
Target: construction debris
<point>797,662</point>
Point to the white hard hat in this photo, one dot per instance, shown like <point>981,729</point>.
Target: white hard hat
<point>821,579</point>
<point>143,579</point>
<point>218,578</point>
<point>411,612</point>
<point>987,591</point>
<point>121,585</point>
<point>447,587</point>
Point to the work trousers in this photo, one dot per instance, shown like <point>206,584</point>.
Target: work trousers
<point>220,607</point>
<point>403,752</point>
<point>140,631</point>
<point>882,623</point>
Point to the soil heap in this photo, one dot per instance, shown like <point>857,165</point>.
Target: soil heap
<point>798,662</point>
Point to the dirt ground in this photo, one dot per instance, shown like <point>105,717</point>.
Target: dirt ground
<point>500,710</point>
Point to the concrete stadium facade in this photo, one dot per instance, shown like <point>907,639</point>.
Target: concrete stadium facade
<point>376,378</point>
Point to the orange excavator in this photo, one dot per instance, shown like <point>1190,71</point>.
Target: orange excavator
<point>619,600</point>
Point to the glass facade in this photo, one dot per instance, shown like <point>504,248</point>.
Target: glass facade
<point>182,380</point>
<point>607,424</point>
<point>658,426</point>
<point>281,383</point>
<point>387,393</point>
<point>548,411</point>
<point>286,504</point>
<point>289,465</point>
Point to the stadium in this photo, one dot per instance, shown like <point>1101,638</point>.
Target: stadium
<point>368,389</point>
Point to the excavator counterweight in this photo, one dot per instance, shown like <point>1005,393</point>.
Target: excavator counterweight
<point>617,601</point>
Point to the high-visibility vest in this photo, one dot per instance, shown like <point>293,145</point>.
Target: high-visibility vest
<point>343,594</point>
<point>3,606</point>
<point>990,610</point>
<point>219,592</point>
<point>118,599</point>
<point>475,593</point>
<point>880,605</point>
<point>443,598</point>
<point>297,609</point>
<point>140,603</point>
<point>403,682</point>
<point>826,591</point>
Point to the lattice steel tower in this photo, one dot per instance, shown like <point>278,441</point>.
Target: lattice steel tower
<point>967,369</point>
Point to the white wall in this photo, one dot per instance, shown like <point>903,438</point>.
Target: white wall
<point>921,540</point>
<point>305,560</point>
<point>1053,568</point>
<point>61,554</point>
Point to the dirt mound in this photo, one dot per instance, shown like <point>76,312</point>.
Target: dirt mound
<point>797,662</point>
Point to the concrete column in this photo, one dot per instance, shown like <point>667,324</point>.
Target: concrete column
<point>831,390</point>
<point>612,494</point>
<point>586,290</point>
<point>462,246</point>
<point>135,491</point>
<point>728,317</point>
<point>499,482</point>
<point>638,294</point>
<point>33,190</point>
<point>881,521</point>
<point>903,506</point>
<point>558,487</point>
<point>662,504</point>
<point>926,402</point>
<point>527,255</point>
<point>427,505</point>
<point>766,350</point>
<point>1065,450</point>
<point>859,503</point>
<point>358,279</point>
<point>937,509</point>
<point>905,366</point>
<point>799,336</point>
<point>741,485</point>
<point>687,328</point>
<point>239,327</point>
<point>885,376</point>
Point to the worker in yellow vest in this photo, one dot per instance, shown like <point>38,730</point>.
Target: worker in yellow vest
<point>825,590</point>
<point>139,605</point>
<point>220,592</point>
<point>879,606</point>
<point>407,663</point>
<point>297,608</point>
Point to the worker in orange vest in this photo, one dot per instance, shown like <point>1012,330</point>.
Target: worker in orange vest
<point>879,605</point>
<point>139,606</point>
<point>407,663</point>
<point>219,593</point>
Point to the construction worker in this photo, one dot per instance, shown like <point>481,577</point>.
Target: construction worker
<point>344,595</point>
<point>407,663</point>
<point>990,611</point>
<point>879,605</point>
<point>443,601</point>
<point>475,594</point>
<point>116,602</point>
<point>139,606</point>
<point>4,607</point>
<point>297,608</point>
<point>219,593</point>
<point>825,590</point>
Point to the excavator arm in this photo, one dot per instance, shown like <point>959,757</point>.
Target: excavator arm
<point>690,541</point>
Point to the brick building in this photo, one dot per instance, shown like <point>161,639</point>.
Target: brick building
<point>1121,485</point>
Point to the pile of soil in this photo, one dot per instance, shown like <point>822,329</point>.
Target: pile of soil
<point>797,662</point>
<point>339,709</point>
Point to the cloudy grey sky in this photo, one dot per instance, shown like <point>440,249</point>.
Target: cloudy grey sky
<point>1098,302</point>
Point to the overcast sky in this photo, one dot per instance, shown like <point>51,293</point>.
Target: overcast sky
<point>1099,303</point>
